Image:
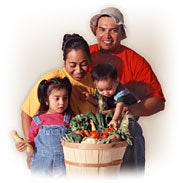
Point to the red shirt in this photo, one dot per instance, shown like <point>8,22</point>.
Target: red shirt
<point>133,70</point>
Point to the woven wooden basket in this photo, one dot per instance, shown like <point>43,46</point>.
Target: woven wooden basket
<point>93,159</point>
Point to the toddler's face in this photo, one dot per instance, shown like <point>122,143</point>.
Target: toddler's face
<point>106,88</point>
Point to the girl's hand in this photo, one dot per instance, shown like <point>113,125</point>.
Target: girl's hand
<point>21,146</point>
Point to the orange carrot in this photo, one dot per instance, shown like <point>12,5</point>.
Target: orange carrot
<point>86,133</point>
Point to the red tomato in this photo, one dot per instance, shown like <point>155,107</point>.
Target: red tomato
<point>106,130</point>
<point>110,129</point>
<point>104,135</point>
<point>95,134</point>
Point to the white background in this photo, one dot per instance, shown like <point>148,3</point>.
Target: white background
<point>31,34</point>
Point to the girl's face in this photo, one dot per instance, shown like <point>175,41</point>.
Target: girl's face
<point>107,87</point>
<point>108,34</point>
<point>77,64</point>
<point>58,101</point>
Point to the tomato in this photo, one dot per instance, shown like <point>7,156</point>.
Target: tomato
<point>110,129</point>
<point>106,130</point>
<point>95,134</point>
<point>104,135</point>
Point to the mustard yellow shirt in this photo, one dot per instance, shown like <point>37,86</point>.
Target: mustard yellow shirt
<point>31,104</point>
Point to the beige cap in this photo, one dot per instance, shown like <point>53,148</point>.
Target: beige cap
<point>110,11</point>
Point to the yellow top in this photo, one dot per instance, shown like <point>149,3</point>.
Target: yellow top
<point>31,104</point>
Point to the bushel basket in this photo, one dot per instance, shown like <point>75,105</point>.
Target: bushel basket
<point>100,160</point>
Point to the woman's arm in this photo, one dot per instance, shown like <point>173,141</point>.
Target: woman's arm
<point>26,122</point>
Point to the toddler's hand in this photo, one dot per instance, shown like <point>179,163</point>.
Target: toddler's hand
<point>113,123</point>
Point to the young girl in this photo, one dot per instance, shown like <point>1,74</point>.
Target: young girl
<point>110,93</point>
<point>48,127</point>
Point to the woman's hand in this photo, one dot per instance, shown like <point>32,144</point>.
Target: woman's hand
<point>21,146</point>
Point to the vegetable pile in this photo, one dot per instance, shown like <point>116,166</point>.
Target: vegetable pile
<point>93,128</point>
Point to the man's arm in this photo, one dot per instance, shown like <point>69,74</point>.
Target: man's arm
<point>147,107</point>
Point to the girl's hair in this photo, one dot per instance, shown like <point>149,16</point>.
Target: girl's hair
<point>45,88</point>
<point>103,72</point>
<point>74,41</point>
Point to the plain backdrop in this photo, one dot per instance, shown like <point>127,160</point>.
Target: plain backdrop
<point>31,35</point>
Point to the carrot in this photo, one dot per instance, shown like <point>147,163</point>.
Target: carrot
<point>87,133</point>
<point>80,132</point>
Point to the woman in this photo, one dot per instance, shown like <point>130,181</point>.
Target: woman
<point>76,56</point>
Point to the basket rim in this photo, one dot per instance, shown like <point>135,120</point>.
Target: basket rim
<point>84,146</point>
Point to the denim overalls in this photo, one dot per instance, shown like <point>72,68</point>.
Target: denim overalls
<point>48,157</point>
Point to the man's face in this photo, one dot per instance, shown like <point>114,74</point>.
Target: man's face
<point>108,34</point>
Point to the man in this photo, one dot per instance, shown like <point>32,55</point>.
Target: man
<point>133,71</point>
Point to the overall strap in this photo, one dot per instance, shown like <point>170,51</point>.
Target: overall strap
<point>67,117</point>
<point>37,120</point>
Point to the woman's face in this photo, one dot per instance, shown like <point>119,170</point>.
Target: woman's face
<point>77,64</point>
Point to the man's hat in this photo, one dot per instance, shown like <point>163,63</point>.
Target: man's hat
<point>110,11</point>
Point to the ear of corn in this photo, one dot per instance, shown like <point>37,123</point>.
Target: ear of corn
<point>17,138</point>
<point>93,128</point>
<point>124,130</point>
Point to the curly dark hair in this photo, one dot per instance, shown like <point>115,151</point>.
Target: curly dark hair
<point>74,41</point>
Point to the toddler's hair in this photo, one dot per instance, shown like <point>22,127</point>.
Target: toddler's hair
<point>104,71</point>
